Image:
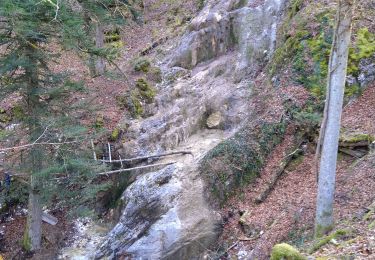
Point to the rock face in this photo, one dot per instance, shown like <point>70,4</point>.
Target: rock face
<point>367,71</point>
<point>224,25</point>
<point>164,214</point>
<point>214,120</point>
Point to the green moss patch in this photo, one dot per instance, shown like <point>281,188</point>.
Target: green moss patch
<point>131,101</point>
<point>325,240</point>
<point>115,134</point>
<point>135,100</point>
<point>155,74</point>
<point>306,48</point>
<point>146,91</point>
<point>356,138</point>
<point>142,64</point>
<point>99,121</point>
<point>364,47</point>
<point>286,252</point>
<point>238,160</point>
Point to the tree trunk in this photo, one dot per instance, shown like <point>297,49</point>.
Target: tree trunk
<point>33,232</point>
<point>331,130</point>
<point>99,43</point>
<point>33,235</point>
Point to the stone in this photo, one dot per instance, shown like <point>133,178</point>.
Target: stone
<point>223,26</point>
<point>214,120</point>
<point>161,218</point>
<point>285,251</point>
<point>165,213</point>
<point>249,229</point>
<point>366,71</point>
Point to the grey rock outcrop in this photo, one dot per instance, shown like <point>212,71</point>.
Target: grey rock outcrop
<point>223,26</point>
<point>366,71</point>
<point>164,214</point>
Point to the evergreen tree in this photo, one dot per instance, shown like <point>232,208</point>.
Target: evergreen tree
<point>99,15</point>
<point>53,160</point>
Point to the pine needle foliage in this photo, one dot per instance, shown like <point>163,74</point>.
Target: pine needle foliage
<point>63,172</point>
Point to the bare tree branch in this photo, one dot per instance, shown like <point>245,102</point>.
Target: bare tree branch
<point>147,157</point>
<point>25,146</point>
<point>137,168</point>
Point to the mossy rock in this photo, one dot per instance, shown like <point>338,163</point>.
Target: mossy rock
<point>286,252</point>
<point>364,47</point>
<point>201,4</point>
<point>18,113</point>
<point>115,134</point>
<point>295,6</point>
<point>99,121</point>
<point>4,118</point>
<point>138,109</point>
<point>142,64</point>
<point>238,160</point>
<point>132,102</point>
<point>155,74</point>
<point>356,139</point>
<point>146,91</point>
<point>325,240</point>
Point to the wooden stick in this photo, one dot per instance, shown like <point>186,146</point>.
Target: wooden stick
<point>147,157</point>
<point>93,150</point>
<point>109,152</point>
<point>276,176</point>
<point>122,165</point>
<point>229,248</point>
<point>32,144</point>
<point>136,168</point>
<point>356,154</point>
<point>21,179</point>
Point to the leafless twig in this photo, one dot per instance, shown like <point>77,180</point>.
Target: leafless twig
<point>147,157</point>
<point>137,168</point>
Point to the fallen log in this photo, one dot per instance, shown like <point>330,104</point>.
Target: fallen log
<point>356,140</point>
<point>354,144</point>
<point>353,153</point>
<point>155,44</point>
<point>147,157</point>
<point>136,168</point>
<point>284,163</point>
<point>49,219</point>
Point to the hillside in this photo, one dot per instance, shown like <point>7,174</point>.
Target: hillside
<point>224,100</point>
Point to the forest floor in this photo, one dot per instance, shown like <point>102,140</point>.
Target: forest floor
<point>288,212</point>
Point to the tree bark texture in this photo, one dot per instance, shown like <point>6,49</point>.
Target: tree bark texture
<point>33,232</point>
<point>333,110</point>
<point>99,43</point>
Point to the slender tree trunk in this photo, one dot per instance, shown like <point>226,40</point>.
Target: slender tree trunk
<point>34,220</point>
<point>331,129</point>
<point>99,43</point>
<point>91,61</point>
<point>33,232</point>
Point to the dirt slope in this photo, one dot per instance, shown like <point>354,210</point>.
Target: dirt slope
<point>288,212</point>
